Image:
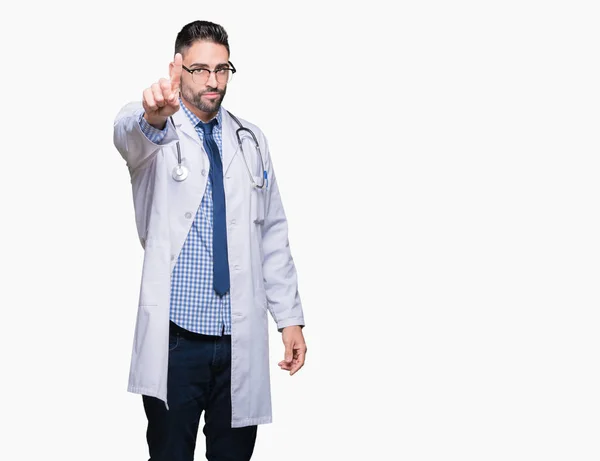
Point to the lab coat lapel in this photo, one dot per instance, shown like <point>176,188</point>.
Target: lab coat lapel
<point>230,146</point>
<point>183,124</point>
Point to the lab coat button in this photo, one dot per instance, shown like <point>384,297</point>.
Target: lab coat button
<point>203,172</point>
<point>232,221</point>
<point>172,257</point>
<point>188,215</point>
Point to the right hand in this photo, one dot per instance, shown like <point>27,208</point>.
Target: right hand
<point>161,100</point>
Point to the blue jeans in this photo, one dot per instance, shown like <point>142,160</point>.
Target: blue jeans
<point>199,380</point>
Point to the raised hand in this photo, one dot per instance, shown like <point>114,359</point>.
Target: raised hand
<point>161,100</point>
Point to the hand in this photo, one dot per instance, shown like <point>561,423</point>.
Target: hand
<point>295,349</point>
<point>160,101</point>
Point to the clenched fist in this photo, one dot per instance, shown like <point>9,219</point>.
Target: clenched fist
<point>161,100</point>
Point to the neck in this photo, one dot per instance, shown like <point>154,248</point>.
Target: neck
<point>204,116</point>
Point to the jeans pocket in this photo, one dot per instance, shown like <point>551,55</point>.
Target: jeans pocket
<point>173,341</point>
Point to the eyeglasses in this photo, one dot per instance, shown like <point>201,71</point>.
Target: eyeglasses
<point>201,75</point>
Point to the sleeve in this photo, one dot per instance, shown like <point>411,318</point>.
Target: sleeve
<point>279,271</point>
<point>131,142</point>
<point>153,134</point>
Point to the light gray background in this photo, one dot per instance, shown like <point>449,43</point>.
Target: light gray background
<point>439,168</point>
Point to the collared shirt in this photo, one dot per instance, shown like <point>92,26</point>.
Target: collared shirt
<point>195,305</point>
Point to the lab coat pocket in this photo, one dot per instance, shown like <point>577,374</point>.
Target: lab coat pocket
<point>257,202</point>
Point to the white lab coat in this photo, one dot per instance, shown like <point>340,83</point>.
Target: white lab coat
<point>262,272</point>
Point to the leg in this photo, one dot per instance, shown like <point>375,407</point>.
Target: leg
<point>224,443</point>
<point>171,434</point>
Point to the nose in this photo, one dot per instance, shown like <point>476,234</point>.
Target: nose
<point>212,80</point>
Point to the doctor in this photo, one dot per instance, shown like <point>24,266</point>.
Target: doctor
<point>216,258</point>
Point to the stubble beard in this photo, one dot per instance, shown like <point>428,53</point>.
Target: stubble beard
<point>196,99</point>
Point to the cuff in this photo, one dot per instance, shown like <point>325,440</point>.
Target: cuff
<point>153,134</point>
<point>297,321</point>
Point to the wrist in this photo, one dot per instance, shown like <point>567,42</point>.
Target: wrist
<point>157,122</point>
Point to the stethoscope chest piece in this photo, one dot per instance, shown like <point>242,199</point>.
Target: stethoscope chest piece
<point>180,173</point>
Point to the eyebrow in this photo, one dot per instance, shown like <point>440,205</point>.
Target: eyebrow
<point>200,64</point>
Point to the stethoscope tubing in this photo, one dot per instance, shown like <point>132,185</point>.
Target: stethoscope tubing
<point>181,172</point>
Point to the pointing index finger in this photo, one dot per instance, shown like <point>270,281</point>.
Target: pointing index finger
<point>176,72</point>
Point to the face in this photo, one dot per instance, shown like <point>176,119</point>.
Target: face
<point>209,96</point>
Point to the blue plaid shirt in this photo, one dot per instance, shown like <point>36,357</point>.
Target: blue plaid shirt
<point>194,304</point>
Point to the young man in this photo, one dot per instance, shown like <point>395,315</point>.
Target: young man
<point>216,260</point>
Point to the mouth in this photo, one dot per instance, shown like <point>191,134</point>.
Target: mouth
<point>211,95</point>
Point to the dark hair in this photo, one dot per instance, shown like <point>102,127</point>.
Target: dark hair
<point>198,31</point>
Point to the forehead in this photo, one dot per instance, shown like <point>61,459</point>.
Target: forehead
<point>203,52</point>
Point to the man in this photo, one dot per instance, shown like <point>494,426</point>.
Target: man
<point>216,258</point>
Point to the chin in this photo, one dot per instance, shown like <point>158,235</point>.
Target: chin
<point>215,106</point>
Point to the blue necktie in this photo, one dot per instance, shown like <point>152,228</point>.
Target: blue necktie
<point>220,261</point>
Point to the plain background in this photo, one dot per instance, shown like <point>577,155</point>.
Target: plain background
<point>439,166</point>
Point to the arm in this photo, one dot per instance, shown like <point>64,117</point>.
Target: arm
<point>280,277</point>
<point>135,139</point>
<point>136,126</point>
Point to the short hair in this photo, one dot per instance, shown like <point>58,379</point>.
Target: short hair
<point>200,31</point>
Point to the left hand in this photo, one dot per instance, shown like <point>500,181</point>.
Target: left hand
<point>295,349</point>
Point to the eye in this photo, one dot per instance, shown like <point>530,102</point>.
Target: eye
<point>200,71</point>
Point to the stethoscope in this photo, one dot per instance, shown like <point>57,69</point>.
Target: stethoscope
<point>181,172</point>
